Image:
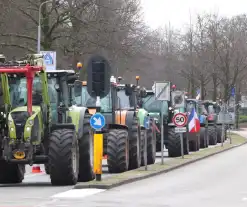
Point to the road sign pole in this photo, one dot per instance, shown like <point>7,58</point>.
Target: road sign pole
<point>182,144</point>
<point>223,125</point>
<point>162,137</point>
<point>98,147</point>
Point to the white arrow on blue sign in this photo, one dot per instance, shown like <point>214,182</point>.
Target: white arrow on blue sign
<point>97,121</point>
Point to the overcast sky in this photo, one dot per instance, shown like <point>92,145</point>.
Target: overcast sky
<point>160,12</point>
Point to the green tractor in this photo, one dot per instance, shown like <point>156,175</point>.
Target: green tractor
<point>43,127</point>
<point>204,137</point>
<point>119,108</point>
<point>168,108</point>
<point>213,110</point>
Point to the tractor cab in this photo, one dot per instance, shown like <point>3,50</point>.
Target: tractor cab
<point>211,109</point>
<point>60,90</point>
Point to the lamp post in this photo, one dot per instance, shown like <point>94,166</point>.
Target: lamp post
<point>39,26</point>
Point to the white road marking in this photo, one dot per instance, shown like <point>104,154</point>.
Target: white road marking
<point>78,193</point>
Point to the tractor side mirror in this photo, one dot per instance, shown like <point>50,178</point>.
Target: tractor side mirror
<point>128,90</point>
<point>143,93</point>
<point>77,88</point>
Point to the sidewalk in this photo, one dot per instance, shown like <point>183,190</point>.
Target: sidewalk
<point>242,132</point>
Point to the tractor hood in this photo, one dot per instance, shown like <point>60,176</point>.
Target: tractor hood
<point>21,124</point>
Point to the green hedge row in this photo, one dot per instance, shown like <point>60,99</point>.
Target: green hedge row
<point>242,119</point>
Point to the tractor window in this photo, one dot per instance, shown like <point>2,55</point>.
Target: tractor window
<point>190,105</point>
<point>211,109</point>
<point>18,90</point>
<point>124,99</point>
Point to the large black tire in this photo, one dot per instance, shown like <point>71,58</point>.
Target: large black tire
<point>186,144</point>
<point>47,170</point>
<point>118,150</point>
<point>194,143</point>
<point>143,133</point>
<point>203,137</point>
<point>86,152</point>
<point>174,143</point>
<point>11,173</point>
<point>219,133</point>
<point>151,146</point>
<point>212,135</point>
<point>63,157</point>
<point>134,146</point>
<point>158,142</point>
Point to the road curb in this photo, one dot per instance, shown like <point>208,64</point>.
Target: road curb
<point>133,179</point>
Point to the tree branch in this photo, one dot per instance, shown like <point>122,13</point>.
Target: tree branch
<point>18,46</point>
<point>19,36</point>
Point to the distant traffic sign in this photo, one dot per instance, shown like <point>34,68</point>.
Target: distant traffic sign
<point>180,129</point>
<point>97,121</point>
<point>180,119</point>
<point>162,90</point>
<point>50,59</point>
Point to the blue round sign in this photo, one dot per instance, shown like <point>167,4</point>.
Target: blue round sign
<point>97,121</point>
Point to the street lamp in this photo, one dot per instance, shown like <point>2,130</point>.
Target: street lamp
<point>39,26</point>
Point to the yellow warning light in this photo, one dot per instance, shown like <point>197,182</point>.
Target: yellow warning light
<point>137,77</point>
<point>79,65</point>
<point>84,83</point>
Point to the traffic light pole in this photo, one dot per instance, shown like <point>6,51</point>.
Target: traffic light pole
<point>98,146</point>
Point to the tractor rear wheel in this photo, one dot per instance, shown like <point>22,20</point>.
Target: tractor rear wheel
<point>86,152</point>
<point>219,132</point>
<point>212,135</point>
<point>134,146</point>
<point>11,173</point>
<point>151,146</point>
<point>174,143</point>
<point>203,137</point>
<point>118,150</point>
<point>63,157</point>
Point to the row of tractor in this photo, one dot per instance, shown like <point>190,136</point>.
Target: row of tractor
<point>45,119</point>
<point>209,130</point>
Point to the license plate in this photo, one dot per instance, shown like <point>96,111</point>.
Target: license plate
<point>19,155</point>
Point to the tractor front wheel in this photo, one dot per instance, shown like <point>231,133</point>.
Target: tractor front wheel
<point>118,150</point>
<point>212,134</point>
<point>11,173</point>
<point>134,147</point>
<point>63,157</point>
<point>86,152</point>
<point>151,146</point>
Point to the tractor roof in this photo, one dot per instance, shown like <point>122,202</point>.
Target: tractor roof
<point>60,71</point>
<point>150,92</point>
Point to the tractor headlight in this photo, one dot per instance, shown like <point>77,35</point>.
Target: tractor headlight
<point>28,129</point>
<point>30,122</point>
<point>12,129</point>
<point>170,108</point>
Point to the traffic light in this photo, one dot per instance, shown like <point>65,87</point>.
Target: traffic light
<point>98,76</point>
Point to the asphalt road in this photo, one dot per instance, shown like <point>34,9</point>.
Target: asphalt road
<point>37,191</point>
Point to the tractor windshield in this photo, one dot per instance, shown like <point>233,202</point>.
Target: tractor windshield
<point>124,99</point>
<point>18,90</point>
<point>153,105</point>
<point>190,105</point>
<point>86,100</point>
